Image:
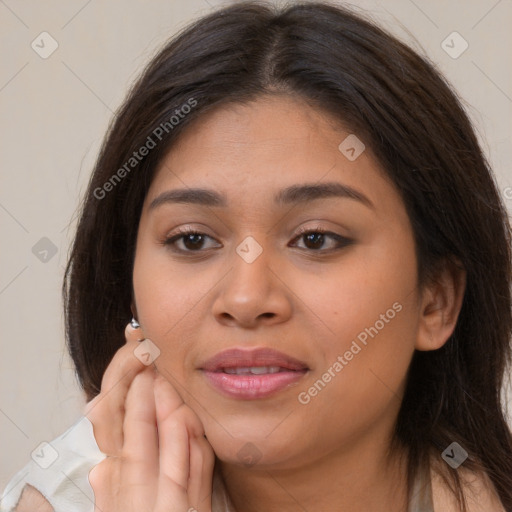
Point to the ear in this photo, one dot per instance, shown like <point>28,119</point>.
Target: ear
<point>441,303</point>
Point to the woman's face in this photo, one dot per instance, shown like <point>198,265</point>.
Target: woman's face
<point>345,304</point>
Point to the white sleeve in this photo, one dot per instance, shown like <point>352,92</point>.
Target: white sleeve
<point>59,470</point>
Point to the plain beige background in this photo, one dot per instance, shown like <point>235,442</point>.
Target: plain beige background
<point>55,112</point>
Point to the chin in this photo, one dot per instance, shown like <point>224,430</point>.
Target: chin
<point>250,450</point>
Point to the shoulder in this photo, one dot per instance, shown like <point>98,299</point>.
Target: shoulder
<point>32,501</point>
<point>478,489</point>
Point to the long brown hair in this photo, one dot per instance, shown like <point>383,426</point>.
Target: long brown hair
<point>405,111</point>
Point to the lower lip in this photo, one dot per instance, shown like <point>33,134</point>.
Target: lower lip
<point>252,387</point>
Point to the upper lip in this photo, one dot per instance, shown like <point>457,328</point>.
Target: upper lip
<point>243,358</point>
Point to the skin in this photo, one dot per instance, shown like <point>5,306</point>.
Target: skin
<point>294,298</point>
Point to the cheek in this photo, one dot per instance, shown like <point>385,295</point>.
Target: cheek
<point>173,302</point>
<point>372,319</point>
<point>166,300</point>
<point>361,382</point>
<point>371,292</point>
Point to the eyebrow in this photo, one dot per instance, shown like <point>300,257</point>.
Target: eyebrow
<point>291,195</point>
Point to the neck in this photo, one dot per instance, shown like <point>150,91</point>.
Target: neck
<point>360,479</point>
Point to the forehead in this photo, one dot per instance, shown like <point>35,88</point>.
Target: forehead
<point>252,150</point>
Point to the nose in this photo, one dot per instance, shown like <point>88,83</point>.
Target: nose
<point>252,292</point>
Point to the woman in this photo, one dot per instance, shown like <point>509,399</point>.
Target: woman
<point>293,207</point>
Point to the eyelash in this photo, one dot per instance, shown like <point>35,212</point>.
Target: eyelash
<point>187,231</point>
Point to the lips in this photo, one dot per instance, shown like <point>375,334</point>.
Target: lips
<point>256,374</point>
<point>239,360</point>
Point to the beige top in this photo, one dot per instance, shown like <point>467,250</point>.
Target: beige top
<point>421,498</point>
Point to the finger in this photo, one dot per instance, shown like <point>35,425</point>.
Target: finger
<point>124,365</point>
<point>140,448</point>
<point>130,479</point>
<point>173,400</point>
<point>106,410</point>
<point>202,460</point>
<point>133,334</point>
<point>174,449</point>
<point>104,477</point>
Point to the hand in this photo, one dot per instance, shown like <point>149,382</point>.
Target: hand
<point>158,459</point>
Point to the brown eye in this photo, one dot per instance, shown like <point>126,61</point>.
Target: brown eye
<point>314,239</point>
<point>192,241</point>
